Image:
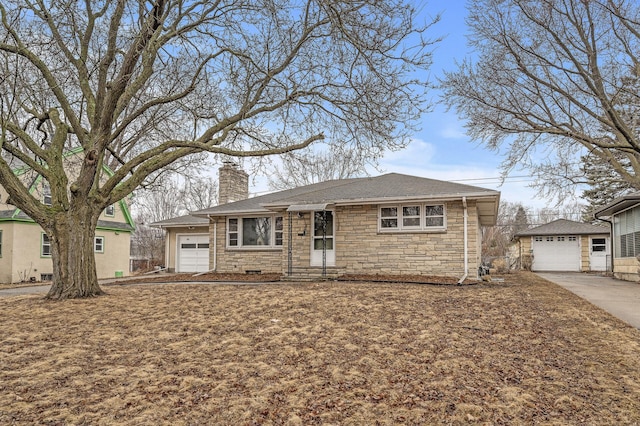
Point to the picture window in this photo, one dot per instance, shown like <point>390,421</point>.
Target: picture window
<point>262,231</point>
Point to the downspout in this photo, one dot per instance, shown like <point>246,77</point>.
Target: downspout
<point>611,240</point>
<point>215,245</point>
<point>167,245</point>
<point>465,242</point>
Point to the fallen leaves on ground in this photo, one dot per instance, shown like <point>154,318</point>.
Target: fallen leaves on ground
<point>520,352</point>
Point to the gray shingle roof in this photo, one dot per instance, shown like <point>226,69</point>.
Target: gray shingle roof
<point>392,187</point>
<point>564,227</point>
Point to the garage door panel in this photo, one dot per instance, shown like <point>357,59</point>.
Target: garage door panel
<point>556,253</point>
<point>193,253</point>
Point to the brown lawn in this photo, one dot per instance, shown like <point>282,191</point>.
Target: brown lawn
<point>520,352</point>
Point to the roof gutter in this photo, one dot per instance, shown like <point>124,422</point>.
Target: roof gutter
<point>386,200</point>
<point>465,242</point>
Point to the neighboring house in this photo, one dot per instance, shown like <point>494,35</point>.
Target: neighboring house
<point>25,252</point>
<point>564,245</point>
<point>624,215</point>
<point>390,224</point>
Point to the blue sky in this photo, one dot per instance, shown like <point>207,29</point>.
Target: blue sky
<point>441,150</point>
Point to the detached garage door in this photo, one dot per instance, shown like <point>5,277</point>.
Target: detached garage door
<point>193,253</point>
<point>556,253</point>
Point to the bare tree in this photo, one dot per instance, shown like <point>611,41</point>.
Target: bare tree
<point>167,199</point>
<point>553,80</point>
<point>512,218</point>
<point>306,166</point>
<point>141,84</point>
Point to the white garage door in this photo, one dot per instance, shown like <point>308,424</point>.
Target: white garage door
<point>556,253</point>
<point>193,253</point>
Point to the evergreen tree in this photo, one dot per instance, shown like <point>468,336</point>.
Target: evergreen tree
<point>604,184</point>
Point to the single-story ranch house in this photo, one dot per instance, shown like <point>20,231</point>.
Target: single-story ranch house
<point>389,224</point>
<point>564,245</point>
<point>623,214</point>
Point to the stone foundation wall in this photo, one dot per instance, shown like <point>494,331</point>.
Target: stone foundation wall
<point>626,268</point>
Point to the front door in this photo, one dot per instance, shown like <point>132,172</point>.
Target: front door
<point>322,242</point>
<point>598,254</point>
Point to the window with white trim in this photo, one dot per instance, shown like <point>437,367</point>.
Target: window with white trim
<point>45,246</point>
<point>259,232</point>
<point>98,245</point>
<point>434,216</point>
<point>110,210</point>
<point>411,217</point>
<point>46,194</point>
<point>388,217</point>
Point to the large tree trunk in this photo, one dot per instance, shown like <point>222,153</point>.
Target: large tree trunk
<point>72,251</point>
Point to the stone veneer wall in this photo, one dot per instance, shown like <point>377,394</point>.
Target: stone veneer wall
<point>241,260</point>
<point>626,268</point>
<point>360,248</point>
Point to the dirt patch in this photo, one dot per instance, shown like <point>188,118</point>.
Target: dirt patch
<point>528,352</point>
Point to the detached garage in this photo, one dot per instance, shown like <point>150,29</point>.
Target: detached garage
<point>564,245</point>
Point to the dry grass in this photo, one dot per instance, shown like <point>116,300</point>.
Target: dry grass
<point>522,352</point>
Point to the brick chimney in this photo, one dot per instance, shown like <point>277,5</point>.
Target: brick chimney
<point>233,183</point>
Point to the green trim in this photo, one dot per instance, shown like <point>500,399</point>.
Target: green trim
<point>108,228</point>
<point>75,151</point>
<point>32,222</point>
<point>11,219</point>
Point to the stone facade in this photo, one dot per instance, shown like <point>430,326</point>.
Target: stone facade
<point>233,183</point>
<point>626,268</point>
<point>360,248</point>
<point>234,260</point>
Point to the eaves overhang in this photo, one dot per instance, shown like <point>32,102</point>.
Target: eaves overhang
<point>618,205</point>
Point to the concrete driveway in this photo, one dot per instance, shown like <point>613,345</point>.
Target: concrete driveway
<point>619,298</point>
